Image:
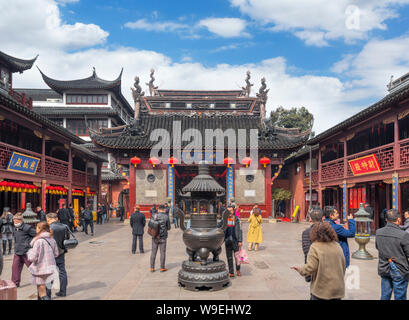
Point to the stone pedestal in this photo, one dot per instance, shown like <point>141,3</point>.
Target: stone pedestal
<point>197,277</point>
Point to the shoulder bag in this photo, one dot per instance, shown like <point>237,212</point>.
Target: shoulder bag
<point>70,243</point>
<point>153,227</point>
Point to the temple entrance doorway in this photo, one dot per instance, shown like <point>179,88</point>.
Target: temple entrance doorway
<point>185,173</point>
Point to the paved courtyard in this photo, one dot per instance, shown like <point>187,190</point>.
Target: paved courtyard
<point>102,267</point>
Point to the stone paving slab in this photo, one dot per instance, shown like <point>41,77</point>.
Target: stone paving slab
<point>106,269</point>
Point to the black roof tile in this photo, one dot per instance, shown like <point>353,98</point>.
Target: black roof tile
<point>16,64</point>
<point>138,136</point>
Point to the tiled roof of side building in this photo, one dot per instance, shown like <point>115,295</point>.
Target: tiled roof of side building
<point>90,83</point>
<point>39,94</point>
<point>386,102</point>
<point>51,111</point>
<point>16,64</point>
<point>137,136</point>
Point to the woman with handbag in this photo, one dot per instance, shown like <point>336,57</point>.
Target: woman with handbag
<point>255,233</point>
<point>42,257</point>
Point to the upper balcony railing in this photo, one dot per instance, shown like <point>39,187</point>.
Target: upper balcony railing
<point>21,98</point>
<point>334,170</point>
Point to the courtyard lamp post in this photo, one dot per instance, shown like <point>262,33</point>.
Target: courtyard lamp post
<point>363,233</point>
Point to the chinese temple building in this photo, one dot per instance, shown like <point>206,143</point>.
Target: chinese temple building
<point>82,104</point>
<point>40,161</point>
<point>362,159</point>
<point>152,181</point>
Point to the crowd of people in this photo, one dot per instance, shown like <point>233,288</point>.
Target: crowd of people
<point>327,255</point>
<point>324,244</point>
<point>233,234</point>
<point>42,248</point>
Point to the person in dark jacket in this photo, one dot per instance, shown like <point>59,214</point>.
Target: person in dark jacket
<point>88,220</point>
<point>332,215</point>
<point>72,217</point>
<point>153,210</point>
<point>233,238</point>
<point>160,241</point>
<point>60,233</point>
<point>315,216</point>
<point>40,214</point>
<point>99,214</point>
<point>137,222</point>
<point>6,229</point>
<point>392,244</point>
<point>64,215</point>
<point>23,234</point>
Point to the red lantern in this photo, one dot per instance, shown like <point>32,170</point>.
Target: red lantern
<point>247,161</point>
<point>153,161</point>
<point>228,161</point>
<point>135,161</point>
<point>173,161</point>
<point>265,161</point>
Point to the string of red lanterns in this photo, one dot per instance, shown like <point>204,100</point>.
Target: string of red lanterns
<point>9,186</point>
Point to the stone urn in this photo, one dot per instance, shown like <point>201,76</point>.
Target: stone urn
<point>202,238</point>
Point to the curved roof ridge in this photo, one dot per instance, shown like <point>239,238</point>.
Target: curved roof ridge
<point>91,82</point>
<point>17,64</point>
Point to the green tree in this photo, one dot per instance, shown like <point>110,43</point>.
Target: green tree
<point>292,118</point>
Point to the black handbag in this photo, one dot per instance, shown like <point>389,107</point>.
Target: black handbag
<point>70,243</point>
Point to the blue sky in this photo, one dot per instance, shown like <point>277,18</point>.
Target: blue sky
<point>329,56</point>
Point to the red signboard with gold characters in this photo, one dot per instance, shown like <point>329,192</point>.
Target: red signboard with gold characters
<point>364,165</point>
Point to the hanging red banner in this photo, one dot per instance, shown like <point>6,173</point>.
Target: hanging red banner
<point>364,165</point>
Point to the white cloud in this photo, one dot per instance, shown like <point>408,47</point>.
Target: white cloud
<point>319,21</point>
<point>225,27</point>
<point>323,96</point>
<point>168,26</point>
<point>371,68</point>
<point>38,22</point>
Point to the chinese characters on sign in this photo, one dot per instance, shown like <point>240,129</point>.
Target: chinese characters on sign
<point>364,165</point>
<point>22,163</point>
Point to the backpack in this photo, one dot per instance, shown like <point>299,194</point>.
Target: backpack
<point>88,215</point>
<point>153,227</point>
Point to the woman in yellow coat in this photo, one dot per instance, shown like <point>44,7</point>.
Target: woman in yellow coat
<point>255,233</point>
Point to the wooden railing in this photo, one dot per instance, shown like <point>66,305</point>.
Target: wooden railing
<point>404,153</point>
<point>92,180</point>
<point>21,98</point>
<point>384,154</point>
<point>56,168</point>
<point>79,178</point>
<point>314,178</point>
<point>332,170</point>
<point>7,149</point>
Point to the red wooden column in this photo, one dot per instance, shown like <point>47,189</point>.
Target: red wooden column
<point>267,179</point>
<point>319,176</point>
<point>70,175</point>
<point>132,187</point>
<point>99,177</point>
<point>43,180</point>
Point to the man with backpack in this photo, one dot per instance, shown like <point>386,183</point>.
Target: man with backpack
<point>88,220</point>
<point>64,215</point>
<point>158,229</point>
